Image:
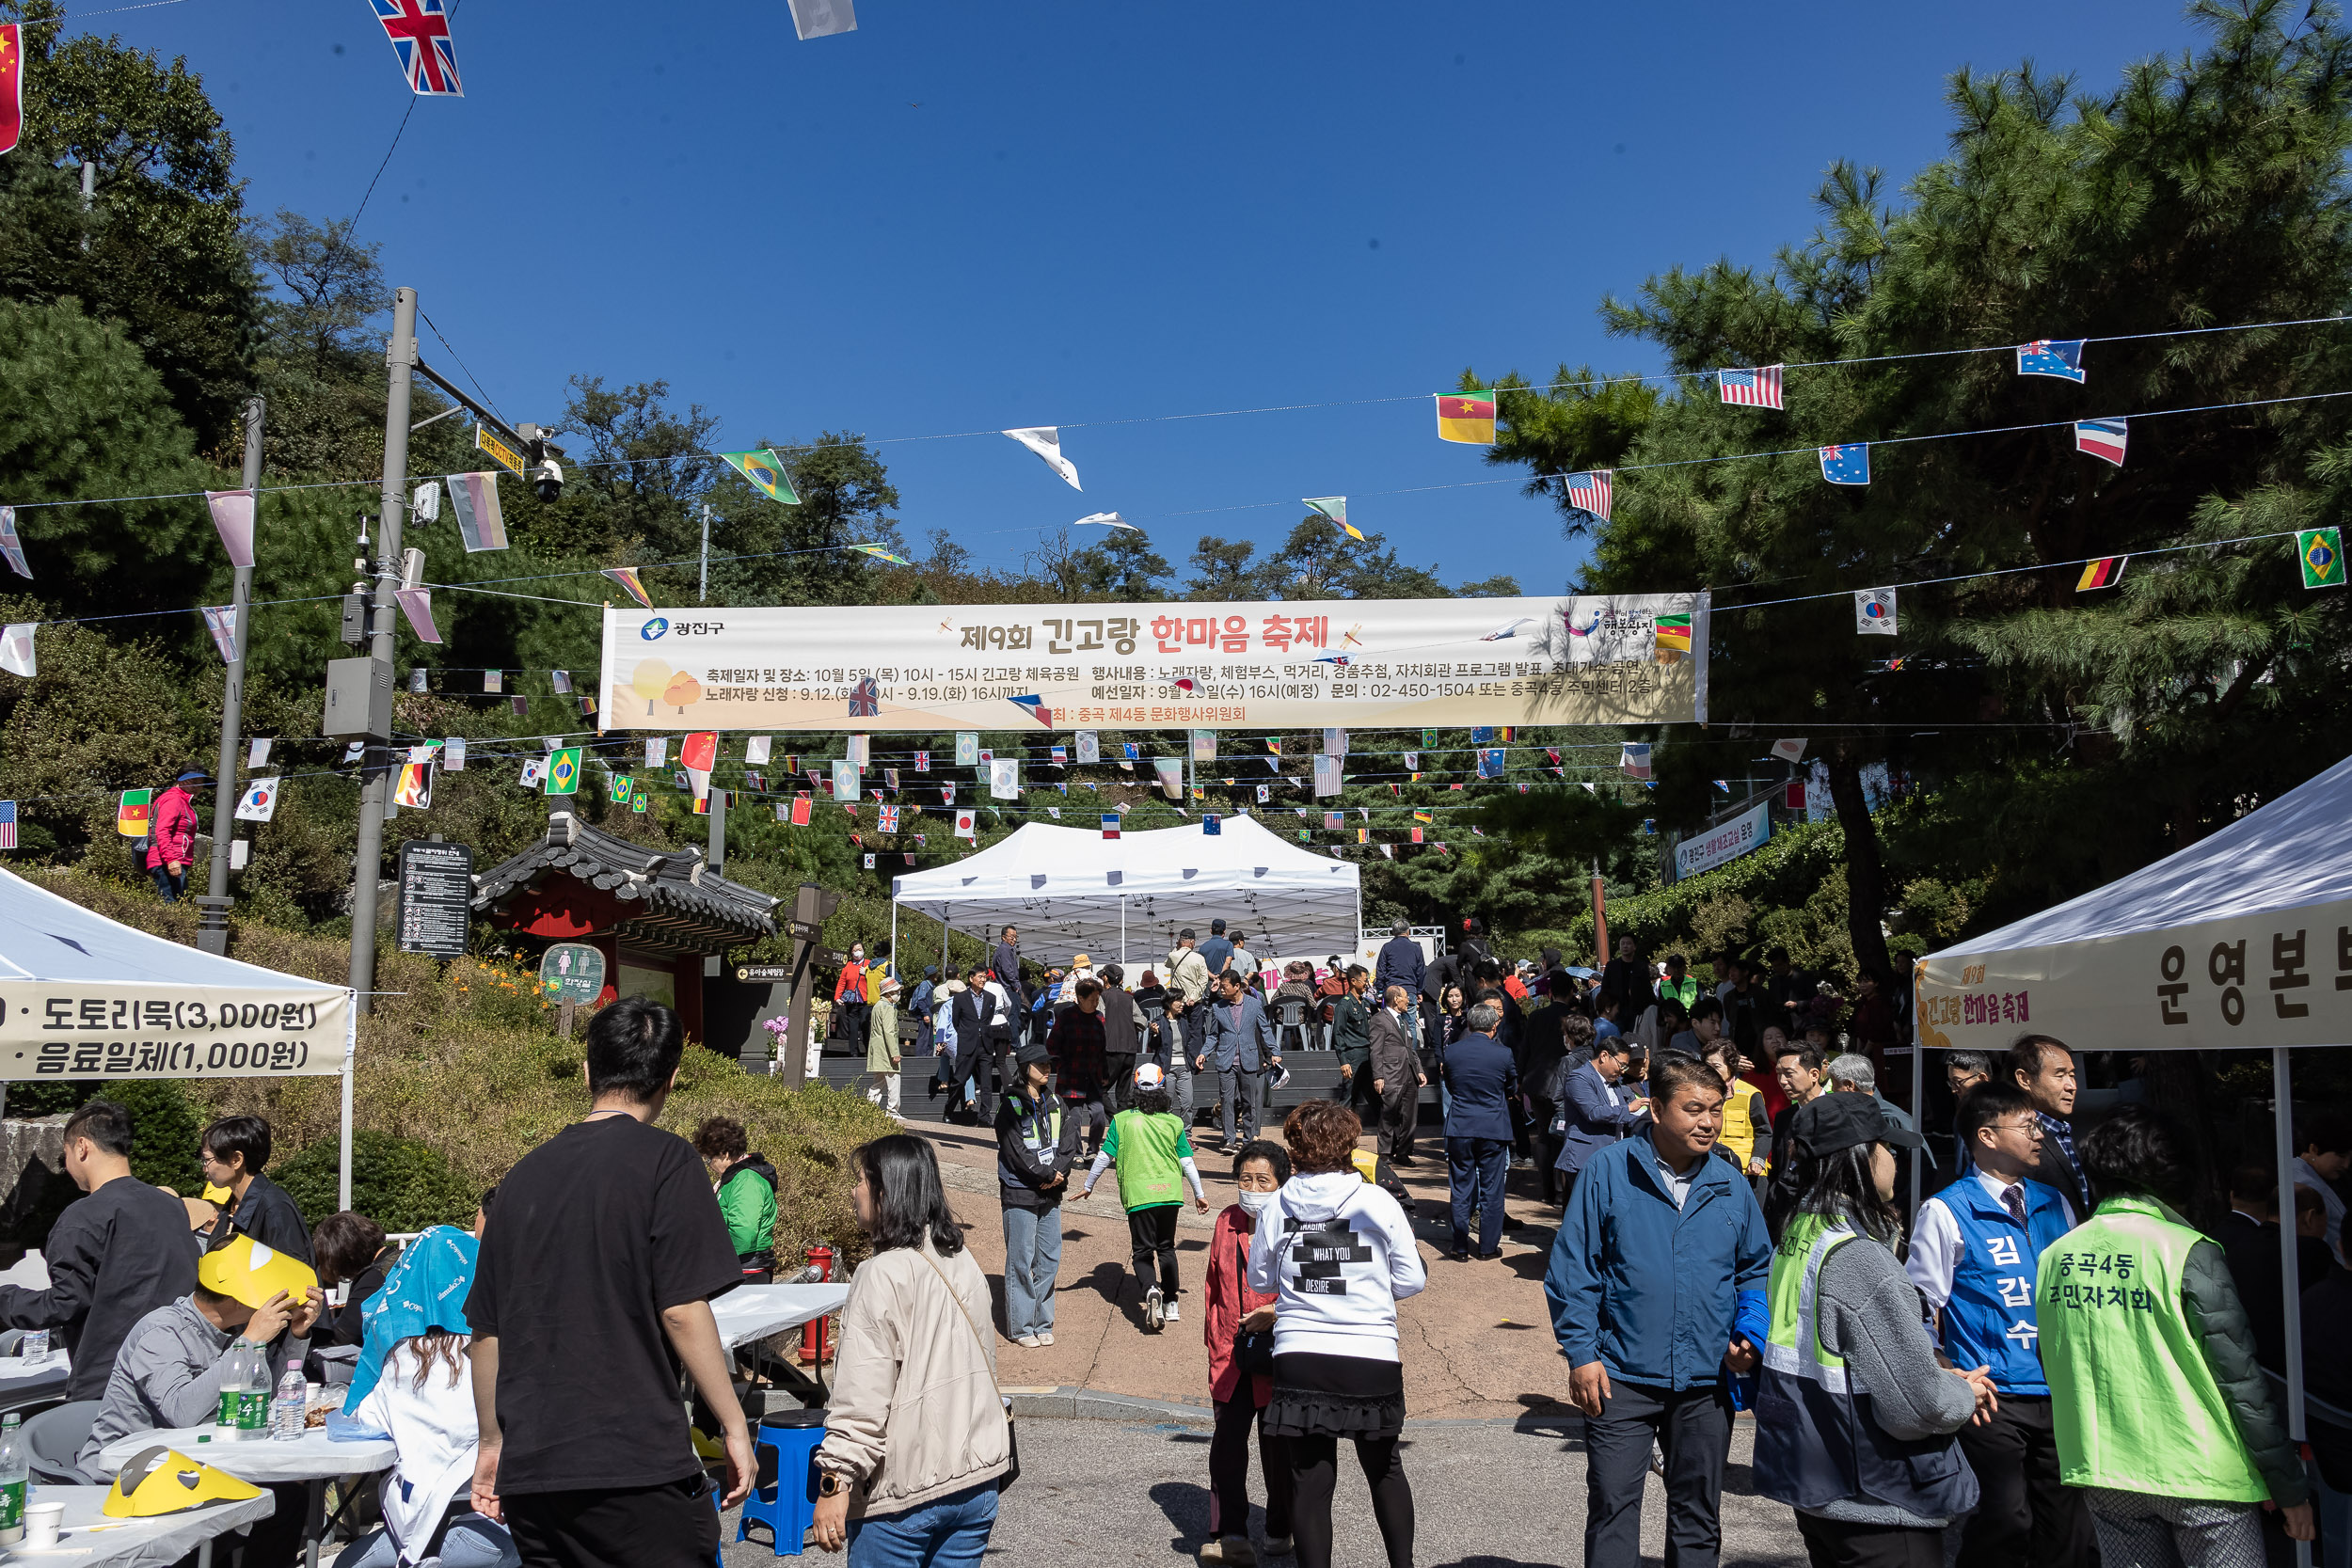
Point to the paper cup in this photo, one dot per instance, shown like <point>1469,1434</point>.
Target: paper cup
<point>41,1521</point>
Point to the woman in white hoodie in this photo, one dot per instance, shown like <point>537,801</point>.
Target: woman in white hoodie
<point>1338,1253</point>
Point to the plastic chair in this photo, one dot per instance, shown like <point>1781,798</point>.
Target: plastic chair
<point>1290,1019</point>
<point>53,1439</point>
<point>785,1496</point>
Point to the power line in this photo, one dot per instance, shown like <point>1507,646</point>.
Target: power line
<point>388,160</point>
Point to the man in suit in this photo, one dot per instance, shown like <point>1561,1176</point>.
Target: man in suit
<point>1400,962</point>
<point>1596,1111</point>
<point>1397,1075</point>
<point>1483,1080</point>
<point>2044,1068</point>
<point>974,1012</point>
<point>2250,1244</point>
<point>1005,964</point>
<point>1241,1047</point>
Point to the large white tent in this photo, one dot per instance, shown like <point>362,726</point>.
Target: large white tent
<point>2241,940</point>
<point>89,997</point>
<point>1071,890</point>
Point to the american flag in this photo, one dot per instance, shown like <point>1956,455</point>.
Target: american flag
<point>7,824</point>
<point>1593,492</point>
<point>419,31</point>
<point>1753,388</point>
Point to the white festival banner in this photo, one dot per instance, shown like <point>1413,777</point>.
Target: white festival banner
<point>1599,659</point>
<point>1726,842</point>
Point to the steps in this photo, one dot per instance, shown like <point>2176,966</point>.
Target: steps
<point>1314,1076</point>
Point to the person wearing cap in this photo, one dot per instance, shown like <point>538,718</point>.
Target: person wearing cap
<point>881,1050</point>
<point>1855,1415</point>
<point>1154,1157</point>
<point>1037,1147</point>
<point>1218,952</point>
<point>172,842</point>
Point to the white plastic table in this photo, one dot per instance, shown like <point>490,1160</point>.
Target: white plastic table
<point>313,1457</point>
<point>751,1313</point>
<point>22,1385</point>
<point>90,1540</point>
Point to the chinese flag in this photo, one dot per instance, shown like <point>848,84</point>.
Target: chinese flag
<point>11,86</point>
<point>701,751</point>
<point>799,811</point>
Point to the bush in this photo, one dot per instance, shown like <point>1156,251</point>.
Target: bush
<point>400,1183</point>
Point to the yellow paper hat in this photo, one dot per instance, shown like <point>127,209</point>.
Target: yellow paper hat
<point>160,1480</point>
<point>248,1271</point>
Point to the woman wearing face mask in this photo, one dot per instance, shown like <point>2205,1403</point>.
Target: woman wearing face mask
<point>1238,1395</point>
<point>849,996</point>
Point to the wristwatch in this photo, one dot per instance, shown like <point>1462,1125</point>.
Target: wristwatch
<point>832,1483</point>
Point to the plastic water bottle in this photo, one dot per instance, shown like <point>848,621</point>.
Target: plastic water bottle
<point>290,1409</point>
<point>34,1347</point>
<point>245,1397</point>
<point>13,1459</point>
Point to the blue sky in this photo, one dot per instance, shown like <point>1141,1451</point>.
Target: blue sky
<point>968,217</point>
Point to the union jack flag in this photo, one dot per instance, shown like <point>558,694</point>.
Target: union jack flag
<point>1754,388</point>
<point>889,823</point>
<point>419,33</point>
<point>865,697</point>
<point>1593,492</point>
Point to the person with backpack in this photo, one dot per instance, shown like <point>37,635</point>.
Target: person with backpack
<point>746,1185</point>
<point>1154,1157</point>
<point>1238,1324</point>
<point>172,845</point>
<point>1037,1146</point>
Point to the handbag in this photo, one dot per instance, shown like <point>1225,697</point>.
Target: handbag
<point>1253,1349</point>
<point>1013,1429</point>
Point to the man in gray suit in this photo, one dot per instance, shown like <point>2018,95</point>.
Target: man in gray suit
<point>1397,1075</point>
<point>1239,1044</point>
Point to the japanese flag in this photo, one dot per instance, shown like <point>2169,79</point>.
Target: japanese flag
<point>968,824</point>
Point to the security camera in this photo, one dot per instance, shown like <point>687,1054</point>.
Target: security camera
<point>546,478</point>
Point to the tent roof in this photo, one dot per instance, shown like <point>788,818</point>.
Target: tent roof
<point>46,937</point>
<point>2290,854</point>
<point>1065,888</point>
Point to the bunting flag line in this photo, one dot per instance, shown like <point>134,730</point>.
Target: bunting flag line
<point>1671,639</point>
<point>639,801</point>
<point>535,773</point>
<point>1412,762</point>
<point>2105,572</point>
<point>16,649</point>
<point>1045,440</point>
<point>1874,612</point>
<point>10,546</point>
<point>886,820</point>
<point>11,127</point>
<point>232,516</point>
<point>859,748</point>
<point>1593,492</point>
<point>765,472</point>
<point>1423,816</point>
<point>419,31</point>
<point>657,753</point>
<point>1131,750</point>
<point>619,788</point>
<point>221,621</point>
<point>415,790</point>
<point>1416,833</point>
<point>922,762</point>
<point>1633,759</point>
<point>260,800</point>
<point>947,794</point>
<point>1752,388</point>
<point>1335,508</point>
<point>417,605</point>
<point>1059,755</point>
<point>2320,552</point>
<point>1465,417</point>
<point>1335,743</point>
<point>474,497</point>
<point>1847,465</point>
<point>627,577</point>
<point>2102,439</point>
<point>2057,357</point>
<point>1789,750</point>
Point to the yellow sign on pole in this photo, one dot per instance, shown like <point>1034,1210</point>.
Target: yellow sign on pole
<point>507,456</point>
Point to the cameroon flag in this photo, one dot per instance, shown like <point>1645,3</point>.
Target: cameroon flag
<point>136,813</point>
<point>766,471</point>
<point>1674,634</point>
<point>1467,416</point>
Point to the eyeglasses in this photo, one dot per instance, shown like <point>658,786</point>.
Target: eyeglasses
<point>2031,1129</point>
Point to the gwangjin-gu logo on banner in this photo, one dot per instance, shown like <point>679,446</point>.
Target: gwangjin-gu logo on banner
<point>654,628</point>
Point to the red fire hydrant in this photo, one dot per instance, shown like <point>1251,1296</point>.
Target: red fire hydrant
<point>813,1342</point>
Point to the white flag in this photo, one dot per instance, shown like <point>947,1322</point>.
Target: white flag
<point>1045,440</point>
<point>1874,612</point>
<point>257,754</point>
<point>257,802</point>
<point>417,604</point>
<point>232,515</point>
<point>817,18</point>
<point>657,753</point>
<point>756,749</point>
<point>453,755</point>
<point>10,546</point>
<point>1004,779</point>
<point>1328,775</point>
<point>16,649</point>
<point>1054,811</point>
<point>860,748</point>
<point>1788,751</point>
<point>1105,519</point>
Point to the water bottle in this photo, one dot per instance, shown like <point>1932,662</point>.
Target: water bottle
<point>289,1412</point>
<point>13,1458</point>
<point>34,1347</point>
<point>253,1397</point>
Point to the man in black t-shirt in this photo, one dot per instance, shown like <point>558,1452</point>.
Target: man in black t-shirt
<point>592,1289</point>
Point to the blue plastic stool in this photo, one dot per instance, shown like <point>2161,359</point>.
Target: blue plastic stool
<point>786,1501</point>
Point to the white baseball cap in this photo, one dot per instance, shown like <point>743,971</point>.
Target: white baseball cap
<point>1150,1076</point>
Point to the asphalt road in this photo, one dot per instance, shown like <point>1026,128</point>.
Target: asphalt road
<point>1486,1494</point>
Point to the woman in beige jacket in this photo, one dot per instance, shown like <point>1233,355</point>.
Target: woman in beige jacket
<point>916,1434</point>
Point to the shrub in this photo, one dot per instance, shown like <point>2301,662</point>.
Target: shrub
<point>400,1183</point>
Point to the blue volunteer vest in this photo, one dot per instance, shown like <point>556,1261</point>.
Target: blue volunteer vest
<point>1990,1320</point>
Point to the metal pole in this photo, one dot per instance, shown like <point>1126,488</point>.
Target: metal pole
<point>400,356</point>
<point>1919,1109</point>
<point>212,933</point>
<point>704,592</point>
<point>89,199</point>
<point>2282,1147</point>
<point>716,858</point>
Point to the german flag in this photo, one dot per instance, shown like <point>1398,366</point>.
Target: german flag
<point>1467,416</point>
<point>2102,573</point>
<point>1674,634</point>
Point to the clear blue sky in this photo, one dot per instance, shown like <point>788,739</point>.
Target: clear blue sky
<point>964,216</point>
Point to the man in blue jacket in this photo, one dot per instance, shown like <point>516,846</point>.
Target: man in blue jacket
<point>1400,962</point>
<point>1482,1078</point>
<point>1657,1292</point>
<point>1240,1045</point>
<point>1596,1111</point>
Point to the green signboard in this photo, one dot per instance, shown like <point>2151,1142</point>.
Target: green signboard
<point>572,971</point>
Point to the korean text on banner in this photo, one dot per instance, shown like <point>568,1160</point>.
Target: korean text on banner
<point>1627,659</point>
<point>1702,851</point>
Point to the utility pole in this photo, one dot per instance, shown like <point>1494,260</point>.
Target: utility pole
<point>717,860</point>
<point>703,594</point>
<point>212,927</point>
<point>399,357</point>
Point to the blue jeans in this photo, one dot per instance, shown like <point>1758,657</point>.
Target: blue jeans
<point>1032,1259</point>
<point>171,887</point>
<point>472,1543</point>
<point>1477,1169</point>
<point>951,1532</point>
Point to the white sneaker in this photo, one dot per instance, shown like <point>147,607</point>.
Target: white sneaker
<point>1238,1553</point>
<point>1027,1341</point>
<point>1152,1317</point>
<point>1046,1336</point>
<point>1213,1551</point>
<point>1172,1312</point>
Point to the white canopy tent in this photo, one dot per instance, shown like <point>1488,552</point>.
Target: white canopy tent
<point>1070,890</point>
<point>2241,940</point>
<point>89,997</point>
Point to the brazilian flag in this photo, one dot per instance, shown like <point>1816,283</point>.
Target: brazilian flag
<point>2322,552</point>
<point>765,469</point>
<point>564,770</point>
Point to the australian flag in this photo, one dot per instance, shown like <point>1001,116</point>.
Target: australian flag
<point>865,697</point>
<point>1847,465</point>
<point>419,33</point>
<point>2043,357</point>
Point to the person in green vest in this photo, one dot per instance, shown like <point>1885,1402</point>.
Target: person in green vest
<point>1676,985</point>
<point>746,1184</point>
<point>2161,1413</point>
<point>1153,1153</point>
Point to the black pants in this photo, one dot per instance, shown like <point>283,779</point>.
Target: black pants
<point>1834,1544</point>
<point>1400,1114</point>
<point>1119,1092</point>
<point>1314,1473</point>
<point>1693,1426</point>
<point>1476,1169</point>
<point>1153,1233</point>
<point>671,1526</point>
<point>1229,1468</point>
<point>2025,1515</point>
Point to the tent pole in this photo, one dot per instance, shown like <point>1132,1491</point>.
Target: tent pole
<point>897,971</point>
<point>342,1159</point>
<point>1919,1118</point>
<point>1122,931</point>
<point>2282,1141</point>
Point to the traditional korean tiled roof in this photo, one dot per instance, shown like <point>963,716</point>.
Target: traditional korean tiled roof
<point>685,904</point>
